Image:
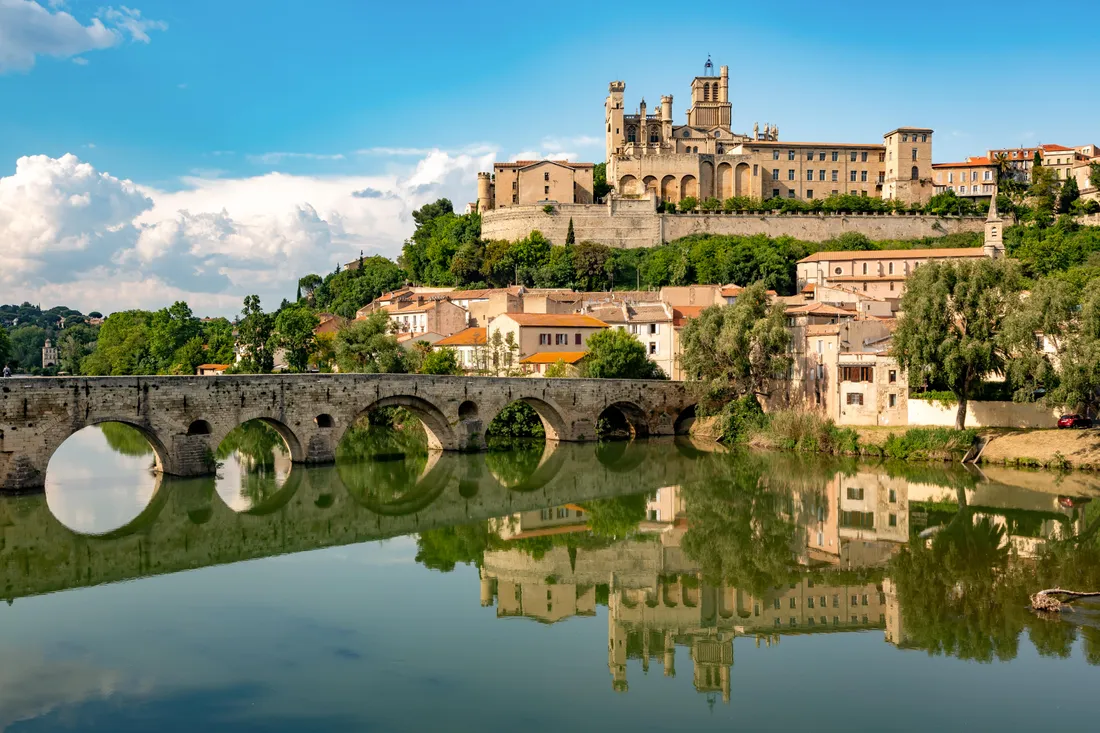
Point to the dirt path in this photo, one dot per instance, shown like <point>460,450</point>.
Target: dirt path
<point>1080,448</point>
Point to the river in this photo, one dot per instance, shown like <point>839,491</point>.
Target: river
<point>652,585</point>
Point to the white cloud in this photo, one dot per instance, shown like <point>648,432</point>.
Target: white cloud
<point>73,235</point>
<point>28,30</point>
<point>131,21</point>
<point>272,158</point>
<point>80,61</point>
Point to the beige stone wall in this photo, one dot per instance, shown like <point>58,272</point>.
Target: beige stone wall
<point>528,336</point>
<point>984,414</point>
<point>540,182</point>
<point>626,228</point>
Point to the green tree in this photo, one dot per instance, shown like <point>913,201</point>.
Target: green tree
<point>255,332</point>
<point>589,260</point>
<point>736,350</point>
<point>217,333</point>
<point>615,354</point>
<point>442,549</point>
<point>122,346</point>
<point>688,203</point>
<point>1043,193</point>
<point>308,285</point>
<point>441,361</point>
<point>600,186</point>
<point>528,255</point>
<point>294,332</point>
<point>5,346</point>
<point>559,270</point>
<point>570,235</point>
<point>1078,367</point>
<point>1094,175</point>
<point>616,518</point>
<point>1048,313</point>
<point>953,315</point>
<point>1068,195</point>
<point>367,346</point>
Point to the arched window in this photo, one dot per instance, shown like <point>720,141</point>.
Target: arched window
<point>632,134</point>
<point>706,92</point>
<point>915,173</point>
<point>654,135</point>
<point>721,148</point>
<point>695,149</point>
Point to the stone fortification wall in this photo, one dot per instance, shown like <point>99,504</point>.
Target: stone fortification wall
<point>627,224</point>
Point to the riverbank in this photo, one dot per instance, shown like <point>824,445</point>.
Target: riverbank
<point>1078,449</point>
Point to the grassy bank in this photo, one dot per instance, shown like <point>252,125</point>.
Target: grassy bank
<point>743,422</point>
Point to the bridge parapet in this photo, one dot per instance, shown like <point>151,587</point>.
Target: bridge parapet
<point>186,418</point>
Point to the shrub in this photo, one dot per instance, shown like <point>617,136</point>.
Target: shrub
<point>548,209</point>
<point>687,203</point>
<point>929,444</point>
<point>740,419</point>
<point>810,433</point>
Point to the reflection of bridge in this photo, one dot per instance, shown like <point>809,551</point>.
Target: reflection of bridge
<point>185,418</point>
<point>187,526</point>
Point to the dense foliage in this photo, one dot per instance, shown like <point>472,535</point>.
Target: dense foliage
<point>615,354</point>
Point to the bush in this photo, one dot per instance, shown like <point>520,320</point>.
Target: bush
<point>740,419</point>
<point>929,444</point>
<point>548,209</point>
<point>688,203</point>
<point>810,433</point>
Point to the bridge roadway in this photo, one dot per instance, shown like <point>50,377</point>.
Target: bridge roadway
<point>187,525</point>
<point>185,418</point>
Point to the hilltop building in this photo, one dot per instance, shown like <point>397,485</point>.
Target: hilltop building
<point>49,355</point>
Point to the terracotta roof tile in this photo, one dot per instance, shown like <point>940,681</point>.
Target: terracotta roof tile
<point>564,320</point>
<point>897,254</point>
<point>467,337</point>
<point>553,357</point>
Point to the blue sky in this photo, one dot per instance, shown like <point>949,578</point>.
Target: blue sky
<point>261,119</point>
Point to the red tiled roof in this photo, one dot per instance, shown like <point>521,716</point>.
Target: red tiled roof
<point>553,357</point>
<point>1057,148</point>
<point>467,337</point>
<point>685,312</point>
<point>897,254</point>
<point>968,163</point>
<point>564,320</point>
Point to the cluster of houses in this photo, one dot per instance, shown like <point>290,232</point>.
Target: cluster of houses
<point>976,177</point>
<point>841,321</point>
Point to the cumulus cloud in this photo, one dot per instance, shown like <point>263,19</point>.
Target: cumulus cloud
<point>28,30</point>
<point>74,235</point>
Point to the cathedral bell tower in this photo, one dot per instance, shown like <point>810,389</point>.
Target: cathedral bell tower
<point>710,99</point>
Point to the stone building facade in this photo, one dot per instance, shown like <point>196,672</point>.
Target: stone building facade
<point>707,158</point>
<point>530,182</point>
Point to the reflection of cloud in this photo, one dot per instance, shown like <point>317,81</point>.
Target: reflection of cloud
<point>92,489</point>
<point>32,687</point>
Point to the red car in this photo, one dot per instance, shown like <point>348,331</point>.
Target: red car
<point>1074,421</point>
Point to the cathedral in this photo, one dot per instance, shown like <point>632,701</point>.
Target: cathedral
<point>648,155</point>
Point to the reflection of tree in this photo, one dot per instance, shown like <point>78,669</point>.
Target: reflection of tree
<point>517,420</point>
<point>255,444</point>
<point>441,549</point>
<point>513,461</point>
<point>617,517</point>
<point>379,462</point>
<point>125,439</point>
<point>742,525</point>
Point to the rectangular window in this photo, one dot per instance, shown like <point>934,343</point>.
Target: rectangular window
<point>654,328</point>
<point>863,600</point>
<point>777,622</point>
<point>790,194</point>
<point>914,154</point>
<point>809,155</point>
<point>790,174</point>
<point>515,185</point>
<point>775,155</point>
<point>577,339</point>
<point>809,193</point>
<point>809,174</point>
<point>544,339</point>
<point>855,494</point>
<point>852,176</point>
<point>893,520</point>
<point>790,155</point>
<point>863,176</point>
<point>836,620</point>
<point>821,156</point>
<point>950,177</point>
<point>793,621</point>
<point>775,192</point>
<point>924,138</point>
<point>962,176</point>
<point>823,603</point>
<point>821,175</point>
<point>863,157</point>
<point>853,156</point>
<point>891,268</point>
<point>546,190</point>
<point>835,176</point>
<point>561,339</point>
<point>855,602</point>
<point>855,398</point>
<point>864,268</point>
<point>904,137</point>
<point>546,176</point>
<point>794,603</point>
<point>775,604</point>
<point>810,602</point>
<point>755,169</point>
<point>836,156</point>
<point>775,174</point>
<point>893,400</point>
<point>652,348</point>
<point>836,600</point>
<point>515,198</point>
<point>893,496</point>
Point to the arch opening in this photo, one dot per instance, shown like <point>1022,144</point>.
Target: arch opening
<point>521,438</point>
<point>254,463</point>
<point>684,421</point>
<point>124,456</point>
<point>324,420</point>
<point>622,421</point>
<point>409,413</point>
<point>199,427</point>
<point>467,411</point>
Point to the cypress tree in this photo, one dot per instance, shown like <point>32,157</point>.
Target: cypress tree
<point>570,236</point>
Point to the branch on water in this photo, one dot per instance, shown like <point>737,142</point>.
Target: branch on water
<point>1045,600</point>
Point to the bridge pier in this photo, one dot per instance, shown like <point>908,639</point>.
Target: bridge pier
<point>185,419</point>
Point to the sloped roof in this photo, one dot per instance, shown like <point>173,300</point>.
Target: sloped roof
<point>553,357</point>
<point>564,320</point>
<point>896,254</point>
<point>466,337</point>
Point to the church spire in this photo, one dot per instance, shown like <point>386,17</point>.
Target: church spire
<point>992,243</point>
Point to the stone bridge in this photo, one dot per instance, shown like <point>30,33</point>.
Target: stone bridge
<point>187,525</point>
<point>185,418</point>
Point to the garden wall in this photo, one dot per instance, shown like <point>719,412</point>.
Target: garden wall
<point>983,414</point>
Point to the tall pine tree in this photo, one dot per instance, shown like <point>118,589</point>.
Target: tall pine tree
<point>570,236</point>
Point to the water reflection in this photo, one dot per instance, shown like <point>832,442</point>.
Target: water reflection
<point>101,478</point>
<point>685,547</point>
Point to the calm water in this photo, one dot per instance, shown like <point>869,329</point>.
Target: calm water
<point>631,586</point>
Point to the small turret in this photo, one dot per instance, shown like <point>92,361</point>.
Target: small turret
<point>484,192</point>
<point>993,245</point>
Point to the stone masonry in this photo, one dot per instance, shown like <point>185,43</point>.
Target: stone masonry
<point>186,418</point>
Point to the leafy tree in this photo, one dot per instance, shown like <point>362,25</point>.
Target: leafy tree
<point>220,342</point>
<point>122,346</point>
<point>439,235</point>
<point>615,354</point>
<point>528,255</point>
<point>1068,195</point>
<point>600,186</point>
<point>1094,175</point>
<point>559,270</point>
<point>953,315</point>
<point>688,203</point>
<point>441,361</point>
<point>324,351</point>
<point>558,370</point>
<point>517,420</point>
<point>294,332</point>
<point>5,346</point>
<point>570,235</point>
<point>442,549</point>
<point>367,346</point>
<point>589,260</point>
<point>1048,312</point>
<point>1043,193</point>
<point>736,350</point>
<point>169,330</point>
<point>616,518</point>
<point>308,285</point>
<point>255,332</point>
<point>1078,383</point>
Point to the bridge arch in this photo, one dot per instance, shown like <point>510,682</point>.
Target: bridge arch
<point>629,412</point>
<point>62,430</point>
<point>441,436</point>
<point>550,415</point>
